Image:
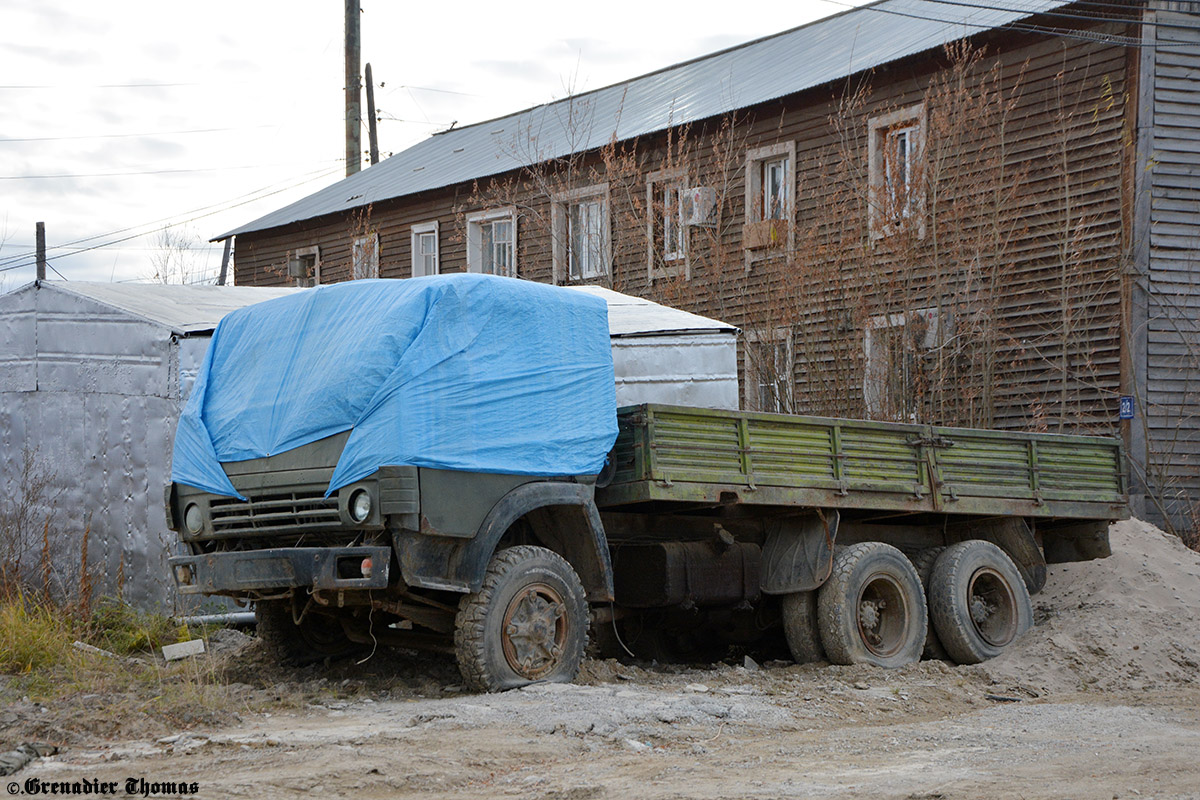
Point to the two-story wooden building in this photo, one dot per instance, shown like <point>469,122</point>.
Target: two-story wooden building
<point>976,212</point>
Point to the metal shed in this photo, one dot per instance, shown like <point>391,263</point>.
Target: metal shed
<point>92,378</point>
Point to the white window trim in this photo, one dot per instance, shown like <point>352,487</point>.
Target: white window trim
<point>294,255</point>
<point>419,230</point>
<point>755,158</point>
<point>370,247</point>
<point>878,128</point>
<point>474,243</point>
<point>655,244</point>
<point>874,375</point>
<point>560,225</point>
<point>777,335</point>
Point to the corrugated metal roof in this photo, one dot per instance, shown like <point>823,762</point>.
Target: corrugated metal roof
<point>756,72</point>
<point>183,309</point>
<point>633,316</point>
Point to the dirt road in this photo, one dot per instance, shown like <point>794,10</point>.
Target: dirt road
<point>1100,700</point>
<point>924,732</point>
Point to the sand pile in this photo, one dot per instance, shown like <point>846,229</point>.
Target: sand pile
<point>1127,622</point>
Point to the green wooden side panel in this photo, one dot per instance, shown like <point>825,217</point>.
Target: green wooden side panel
<point>692,454</point>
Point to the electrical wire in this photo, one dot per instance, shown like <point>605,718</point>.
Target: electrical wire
<point>145,172</point>
<point>14,262</point>
<point>130,135</point>
<point>1023,27</point>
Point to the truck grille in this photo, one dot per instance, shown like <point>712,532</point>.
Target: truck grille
<point>282,512</point>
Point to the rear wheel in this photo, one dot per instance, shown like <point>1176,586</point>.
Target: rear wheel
<point>317,637</point>
<point>978,601</point>
<point>528,622</point>
<point>800,627</point>
<point>923,562</point>
<point>872,608</point>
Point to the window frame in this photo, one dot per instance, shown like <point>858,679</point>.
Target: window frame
<point>417,232</point>
<point>757,161</point>
<point>784,343</point>
<point>364,248</point>
<point>475,223</point>
<point>660,263</point>
<point>562,216</point>
<point>876,373</point>
<point>881,129</point>
<point>296,255</point>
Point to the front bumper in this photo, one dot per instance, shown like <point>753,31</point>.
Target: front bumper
<point>281,568</point>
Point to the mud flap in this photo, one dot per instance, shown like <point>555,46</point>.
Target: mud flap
<point>798,554</point>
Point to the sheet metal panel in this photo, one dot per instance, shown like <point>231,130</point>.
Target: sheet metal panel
<point>690,369</point>
<point>18,332</point>
<point>739,77</point>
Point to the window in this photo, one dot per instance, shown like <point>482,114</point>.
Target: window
<point>768,370</point>
<point>897,347</point>
<point>425,249</point>
<point>770,184</point>
<point>774,188</point>
<point>492,242</point>
<point>580,222</point>
<point>364,257</point>
<point>896,143</point>
<point>666,232</point>
<point>304,266</point>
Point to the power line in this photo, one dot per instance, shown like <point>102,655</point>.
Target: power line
<point>132,135</point>
<point>1023,27</point>
<point>146,172</point>
<point>16,262</point>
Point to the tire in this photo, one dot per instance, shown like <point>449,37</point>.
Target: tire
<point>978,601</point>
<point>528,622</point>
<point>800,627</point>
<point>872,608</point>
<point>316,638</point>
<point>923,563</point>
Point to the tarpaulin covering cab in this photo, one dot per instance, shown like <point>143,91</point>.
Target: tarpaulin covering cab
<point>462,372</point>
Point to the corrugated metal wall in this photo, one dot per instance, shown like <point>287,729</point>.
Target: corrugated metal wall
<point>92,394</point>
<point>1167,339</point>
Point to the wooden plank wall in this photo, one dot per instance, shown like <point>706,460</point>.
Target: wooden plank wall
<point>1171,401</point>
<point>1054,314</point>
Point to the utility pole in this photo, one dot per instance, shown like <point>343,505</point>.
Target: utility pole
<point>41,251</point>
<point>225,262</point>
<point>372,133</point>
<point>353,89</point>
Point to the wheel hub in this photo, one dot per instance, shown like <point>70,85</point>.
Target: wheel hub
<point>993,607</point>
<point>881,618</point>
<point>534,630</point>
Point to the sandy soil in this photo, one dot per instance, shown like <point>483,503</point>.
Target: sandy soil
<point>1100,700</point>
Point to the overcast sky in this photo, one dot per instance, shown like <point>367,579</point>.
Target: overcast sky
<point>118,119</point>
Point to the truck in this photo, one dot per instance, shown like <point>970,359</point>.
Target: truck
<point>494,501</point>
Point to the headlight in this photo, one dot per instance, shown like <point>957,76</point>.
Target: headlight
<point>193,520</point>
<point>360,505</point>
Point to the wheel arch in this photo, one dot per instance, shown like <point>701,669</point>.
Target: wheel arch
<point>562,517</point>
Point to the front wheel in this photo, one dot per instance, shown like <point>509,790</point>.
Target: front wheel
<point>528,622</point>
<point>872,608</point>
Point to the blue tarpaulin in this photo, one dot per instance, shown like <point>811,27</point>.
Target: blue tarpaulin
<point>461,372</point>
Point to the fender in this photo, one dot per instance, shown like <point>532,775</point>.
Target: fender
<point>564,516</point>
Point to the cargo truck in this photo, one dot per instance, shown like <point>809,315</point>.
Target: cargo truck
<point>441,464</point>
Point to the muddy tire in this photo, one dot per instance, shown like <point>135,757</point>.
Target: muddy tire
<point>923,562</point>
<point>872,608</point>
<point>528,622</point>
<point>316,638</point>
<point>978,601</point>
<point>800,627</point>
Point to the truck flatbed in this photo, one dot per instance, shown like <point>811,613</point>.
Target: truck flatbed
<point>687,457</point>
